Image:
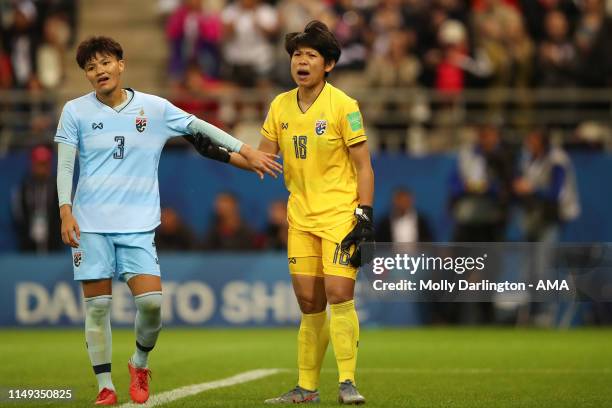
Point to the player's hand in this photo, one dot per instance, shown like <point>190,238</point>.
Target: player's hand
<point>362,233</point>
<point>71,234</point>
<point>261,162</point>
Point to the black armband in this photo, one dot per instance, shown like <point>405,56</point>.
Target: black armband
<point>207,148</point>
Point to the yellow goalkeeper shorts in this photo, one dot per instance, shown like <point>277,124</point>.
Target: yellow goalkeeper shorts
<point>318,253</point>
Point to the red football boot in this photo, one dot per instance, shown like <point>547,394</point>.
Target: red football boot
<point>139,383</point>
<point>106,397</point>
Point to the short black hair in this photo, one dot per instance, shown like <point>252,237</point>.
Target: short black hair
<point>97,45</point>
<point>317,36</point>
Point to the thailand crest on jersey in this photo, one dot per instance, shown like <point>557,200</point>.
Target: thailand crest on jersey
<point>320,126</point>
<point>141,124</point>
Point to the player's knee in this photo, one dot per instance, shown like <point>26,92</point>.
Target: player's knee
<point>312,304</point>
<point>97,308</point>
<point>149,303</point>
<point>338,295</point>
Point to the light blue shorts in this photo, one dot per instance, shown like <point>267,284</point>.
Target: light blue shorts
<point>104,256</point>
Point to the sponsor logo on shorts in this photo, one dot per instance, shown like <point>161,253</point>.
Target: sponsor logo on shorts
<point>292,261</point>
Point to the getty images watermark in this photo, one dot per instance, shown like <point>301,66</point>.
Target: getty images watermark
<point>477,272</point>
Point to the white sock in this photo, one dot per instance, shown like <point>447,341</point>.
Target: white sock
<point>105,381</point>
<point>99,338</point>
<point>147,326</point>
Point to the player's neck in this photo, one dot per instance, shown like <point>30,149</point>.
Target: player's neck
<point>307,95</point>
<point>115,98</point>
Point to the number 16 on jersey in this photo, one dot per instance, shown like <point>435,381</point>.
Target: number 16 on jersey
<point>299,145</point>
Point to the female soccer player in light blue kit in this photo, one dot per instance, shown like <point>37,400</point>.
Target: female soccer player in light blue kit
<point>119,134</point>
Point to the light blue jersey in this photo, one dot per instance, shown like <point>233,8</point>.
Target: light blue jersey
<point>119,153</point>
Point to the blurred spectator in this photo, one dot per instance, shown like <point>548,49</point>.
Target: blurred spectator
<point>293,15</point>
<point>501,33</point>
<point>452,62</point>
<point>403,223</point>
<point>249,27</point>
<point>173,234</point>
<point>194,92</point>
<point>387,18</point>
<point>194,34</point>
<point>36,207</point>
<point>535,12</point>
<point>428,17</point>
<point>277,228</point>
<point>21,41</point>
<point>546,187</point>
<point>593,39</point>
<point>480,189</point>
<point>397,67</point>
<point>6,70</point>
<point>547,191</point>
<point>521,51</point>
<point>522,67</point>
<point>64,10</point>
<point>348,23</point>
<point>493,20</point>
<point>556,54</point>
<point>41,117</point>
<point>50,54</point>
<point>228,231</point>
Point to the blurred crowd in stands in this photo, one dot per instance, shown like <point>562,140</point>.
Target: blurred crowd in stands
<point>418,46</point>
<point>218,48</point>
<point>443,44</point>
<point>34,36</point>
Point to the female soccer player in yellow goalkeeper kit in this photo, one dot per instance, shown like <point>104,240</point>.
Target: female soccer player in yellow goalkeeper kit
<point>319,131</point>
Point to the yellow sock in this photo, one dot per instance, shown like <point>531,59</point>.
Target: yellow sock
<point>313,338</point>
<point>344,331</point>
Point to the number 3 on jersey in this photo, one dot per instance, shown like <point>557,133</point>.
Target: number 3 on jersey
<point>120,145</point>
<point>299,145</point>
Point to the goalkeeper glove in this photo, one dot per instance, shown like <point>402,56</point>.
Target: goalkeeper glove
<point>207,148</point>
<point>362,233</point>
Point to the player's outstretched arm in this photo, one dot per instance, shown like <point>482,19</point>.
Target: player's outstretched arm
<point>205,146</point>
<point>257,161</point>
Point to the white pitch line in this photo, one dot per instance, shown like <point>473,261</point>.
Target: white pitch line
<point>188,390</point>
<point>408,370</point>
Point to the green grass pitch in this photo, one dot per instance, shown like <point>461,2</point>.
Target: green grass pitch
<point>440,367</point>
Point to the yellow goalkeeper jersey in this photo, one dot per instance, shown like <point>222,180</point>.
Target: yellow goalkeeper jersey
<point>319,173</point>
